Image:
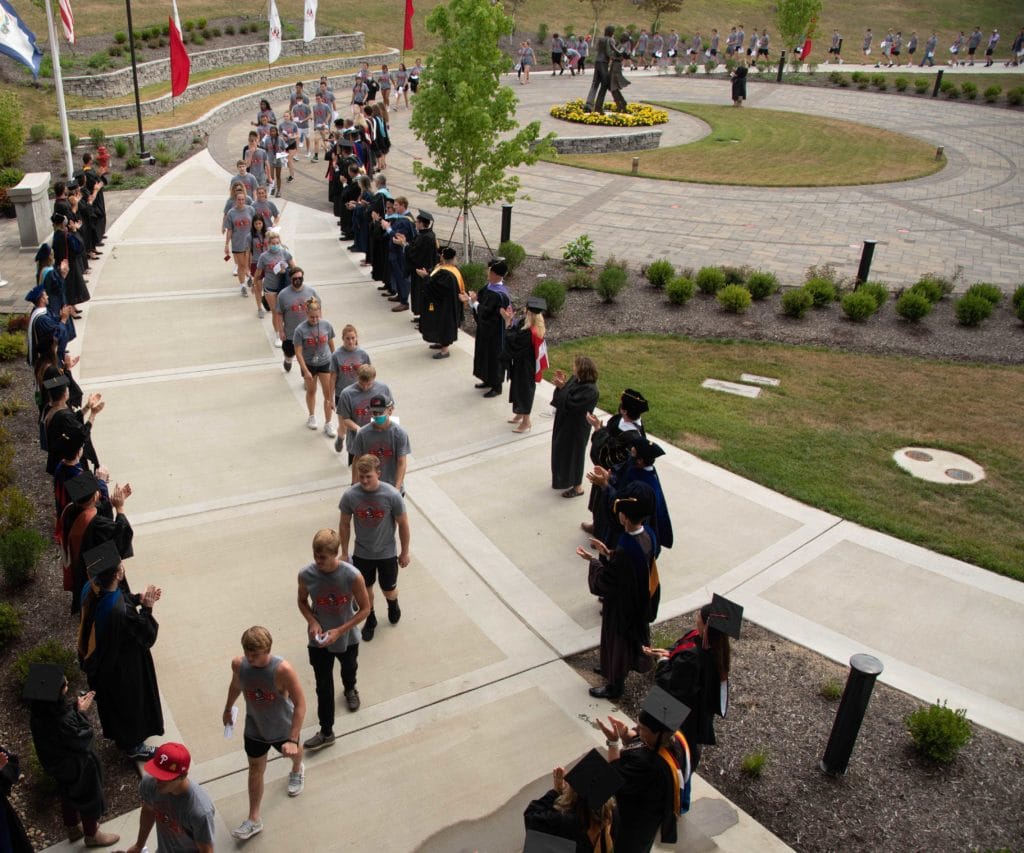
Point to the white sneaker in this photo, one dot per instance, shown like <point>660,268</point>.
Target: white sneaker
<point>261,313</point>
<point>296,781</point>
<point>330,430</point>
<point>311,422</point>
<point>247,830</point>
<point>277,343</point>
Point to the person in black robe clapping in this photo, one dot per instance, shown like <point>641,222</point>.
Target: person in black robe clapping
<point>442,306</point>
<point>490,326</point>
<point>574,398</point>
<point>525,355</point>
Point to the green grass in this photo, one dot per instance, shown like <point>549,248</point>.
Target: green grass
<point>771,148</point>
<point>827,434</point>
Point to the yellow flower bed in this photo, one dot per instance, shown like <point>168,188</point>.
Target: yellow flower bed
<point>638,115</point>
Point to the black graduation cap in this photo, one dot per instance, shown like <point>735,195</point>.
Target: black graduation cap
<point>44,683</point>
<point>102,558</point>
<point>635,504</point>
<point>665,709</point>
<point>499,265</point>
<point>69,443</point>
<point>594,779</point>
<point>54,383</point>
<point>537,304</point>
<point>82,486</point>
<point>646,450</point>
<point>634,403</point>
<point>541,842</point>
<point>725,615</point>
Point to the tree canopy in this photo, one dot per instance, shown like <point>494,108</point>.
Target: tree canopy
<point>796,20</point>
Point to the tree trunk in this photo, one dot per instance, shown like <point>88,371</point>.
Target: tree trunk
<point>465,232</point>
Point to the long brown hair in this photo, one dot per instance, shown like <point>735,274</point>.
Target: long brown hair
<point>718,643</point>
<point>595,823</point>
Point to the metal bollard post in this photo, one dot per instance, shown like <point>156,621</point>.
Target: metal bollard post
<point>866,254</point>
<point>506,223</point>
<point>636,166</point>
<point>939,152</point>
<point>782,63</point>
<point>938,83</point>
<point>864,669</point>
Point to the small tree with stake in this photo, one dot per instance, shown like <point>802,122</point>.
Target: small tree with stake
<point>466,117</point>
<point>657,8</point>
<point>796,20</point>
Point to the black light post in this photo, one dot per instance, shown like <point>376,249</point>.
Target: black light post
<point>782,63</point>
<point>866,255</point>
<point>938,84</point>
<point>864,670</point>
<point>506,223</point>
<point>143,154</point>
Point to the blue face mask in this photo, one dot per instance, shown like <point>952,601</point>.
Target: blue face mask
<point>275,247</point>
<point>380,420</point>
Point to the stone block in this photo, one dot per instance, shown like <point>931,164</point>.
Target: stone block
<point>731,388</point>
<point>31,200</point>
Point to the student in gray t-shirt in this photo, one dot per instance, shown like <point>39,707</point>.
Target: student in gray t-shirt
<point>386,440</point>
<point>181,810</point>
<point>291,309</point>
<point>353,405</point>
<point>375,509</point>
<point>313,340</point>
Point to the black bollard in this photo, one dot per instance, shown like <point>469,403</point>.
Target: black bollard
<point>506,223</point>
<point>866,254</point>
<point>864,669</point>
<point>938,83</point>
<point>782,64</point>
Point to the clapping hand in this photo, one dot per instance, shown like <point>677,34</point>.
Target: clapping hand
<point>599,476</point>
<point>654,653</point>
<point>151,596</point>
<point>84,703</point>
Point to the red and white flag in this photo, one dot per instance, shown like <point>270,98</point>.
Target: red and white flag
<point>408,42</point>
<point>67,20</point>
<point>309,21</point>
<point>540,358</point>
<point>181,65</point>
<point>274,45</point>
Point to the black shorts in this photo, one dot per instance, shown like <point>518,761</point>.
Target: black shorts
<point>713,51</point>
<point>556,59</point>
<point>257,748</point>
<point>895,53</point>
<point>971,50</point>
<point>762,51</point>
<point>387,569</point>
<point>291,146</point>
<point>988,51</point>
<point>414,84</point>
<point>288,348</point>
<point>911,50</point>
<point>316,368</point>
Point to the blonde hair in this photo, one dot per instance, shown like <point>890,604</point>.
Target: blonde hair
<point>257,639</point>
<point>536,322</point>
<point>326,541</point>
<point>366,464</point>
<point>366,372</point>
<point>312,302</point>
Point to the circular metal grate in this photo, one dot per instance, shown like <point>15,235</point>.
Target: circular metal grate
<point>959,474</point>
<point>918,455</point>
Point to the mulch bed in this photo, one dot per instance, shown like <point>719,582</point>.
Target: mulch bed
<point>43,607</point>
<point>889,800</point>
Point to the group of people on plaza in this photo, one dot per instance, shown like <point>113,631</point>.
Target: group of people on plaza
<point>964,48</point>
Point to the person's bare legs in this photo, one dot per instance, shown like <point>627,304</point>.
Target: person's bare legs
<point>310,384</point>
<point>257,291</point>
<point>257,767</point>
<point>278,320</point>
<point>242,262</point>
<point>325,389</point>
<point>524,424</point>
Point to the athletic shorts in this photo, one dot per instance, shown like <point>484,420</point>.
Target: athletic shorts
<point>291,146</point>
<point>257,748</point>
<point>288,348</point>
<point>315,368</point>
<point>387,569</point>
<point>762,51</point>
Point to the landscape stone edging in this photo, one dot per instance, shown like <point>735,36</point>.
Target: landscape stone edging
<point>220,84</point>
<point>119,82</point>
<point>612,142</point>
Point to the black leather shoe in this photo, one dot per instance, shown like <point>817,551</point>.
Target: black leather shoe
<point>494,392</point>
<point>482,385</point>
<point>606,692</point>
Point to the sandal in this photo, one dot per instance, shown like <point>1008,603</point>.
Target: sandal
<point>571,493</point>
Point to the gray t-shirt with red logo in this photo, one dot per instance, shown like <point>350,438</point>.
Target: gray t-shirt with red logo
<point>353,404</point>
<point>388,445</point>
<point>183,821</point>
<point>332,602</point>
<point>291,305</point>
<point>313,338</point>
<point>373,519</point>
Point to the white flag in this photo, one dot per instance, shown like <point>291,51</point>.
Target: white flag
<point>275,32</point>
<point>309,23</point>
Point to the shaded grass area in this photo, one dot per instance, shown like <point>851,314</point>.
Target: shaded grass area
<point>827,434</point>
<point>771,148</point>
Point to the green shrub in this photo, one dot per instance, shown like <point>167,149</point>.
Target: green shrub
<point>6,378</point>
<point>835,77</point>
<point>991,292</point>
<point>913,305</point>
<point>11,407</point>
<point>11,176</point>
<point>98,61</point>
<point>542,33</point>
<point>992,94</point>
<point>19,552</point>
<point>762,284</point>
<point>474,274</point>
<point>12,346</point>
<point>901,84</point>
<point>114,50</point>
<point>753,763</point>
<point>734,298</point>
<point>680,290</point>
<point>610,282</point>
<point>1018,297</point>
<point>201,23</point>
<point>209,35</point>
<point>121,37</point>
<point>73,140</point>
<point>12,130</point>
<point>513,253</point>
<point>710,279</point>
<point>660,273</point>
<point>858,305</point>
<point>165,29</point>
<point>229,29</point>
<point>736,275</point>
<point>971,309</point>
<point>49,651</point>
<point>844,82</point>
<point>1020,311</point>
<point>553,292</point>
<point>797,302</point>
<point>831,689</point>
<point>930,288</point>
<point>120,146</point>
<point>197,38</point>
<point>133,162</point>
<point>37,133</point>
<point>579,279</point>
<point>116,180</point>
<point>189,25</point>
<point>10,625</point>
<point>879,81</point>
<point>15,509</point>
<point>970,90</point>
<point>879,292</point>
<point>921,85</point>
<point>939,732</point>
<point>579,252</point>
<point>216,33</point>
<point>97,136</point>
<point>1015,97</point>
<point>822,291</point>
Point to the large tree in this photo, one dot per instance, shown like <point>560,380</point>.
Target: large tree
<point>466,116</point>
<point>796,20</point>
<point>657,8</point>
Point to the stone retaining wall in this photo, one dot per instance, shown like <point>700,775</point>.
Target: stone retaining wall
<point>309,70</point>
<point>116,83</point>
<point>614,142</point>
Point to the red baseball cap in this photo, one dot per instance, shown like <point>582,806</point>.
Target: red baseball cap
<point>170,761</point>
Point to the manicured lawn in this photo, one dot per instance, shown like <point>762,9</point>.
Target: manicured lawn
<point>827,434</point>
<point>771,148</point>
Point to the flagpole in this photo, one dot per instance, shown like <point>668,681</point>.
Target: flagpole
<point>143,154</point>
<point>59,83</point>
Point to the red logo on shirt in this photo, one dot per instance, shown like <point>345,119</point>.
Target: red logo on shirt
<point>167,820</point>
<point>258,696</point>
<point>314,340</point>
<point>332,600</point>
<point>381,451</point>
<point>370,514</point>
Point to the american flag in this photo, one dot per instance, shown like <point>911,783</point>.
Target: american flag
<point>67,20</point>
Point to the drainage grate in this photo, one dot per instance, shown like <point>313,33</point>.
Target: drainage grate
<point>959,474</point>
<point>918,455</point>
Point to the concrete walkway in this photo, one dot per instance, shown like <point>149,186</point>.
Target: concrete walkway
<point>466,704</point>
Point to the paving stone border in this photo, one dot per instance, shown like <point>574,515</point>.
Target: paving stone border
<point>163,104</point>
<point>116,83</point>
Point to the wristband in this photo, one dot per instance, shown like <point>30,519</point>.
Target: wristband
<point>291,740</point>
<point>611,743</point>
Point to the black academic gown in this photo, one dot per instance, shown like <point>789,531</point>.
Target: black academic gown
<point>420,255</point>
<point>490,332</point>
<point>121,671</point>
<point>542,816</point>
<point>691,676</point>
<point>645,800</point>
<point>521,363</point>
<point>350,192</point>
<point>62,427</point>
<point>12,832</point>
<point>68,245</point>
<point>378,254</point>
<point>99,203</point>
<point>572,402</point>
<point>105,527</point>
<point>441,311</point>
<point>64,743</point>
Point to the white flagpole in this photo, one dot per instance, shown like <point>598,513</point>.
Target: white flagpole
<point>59,82</point>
